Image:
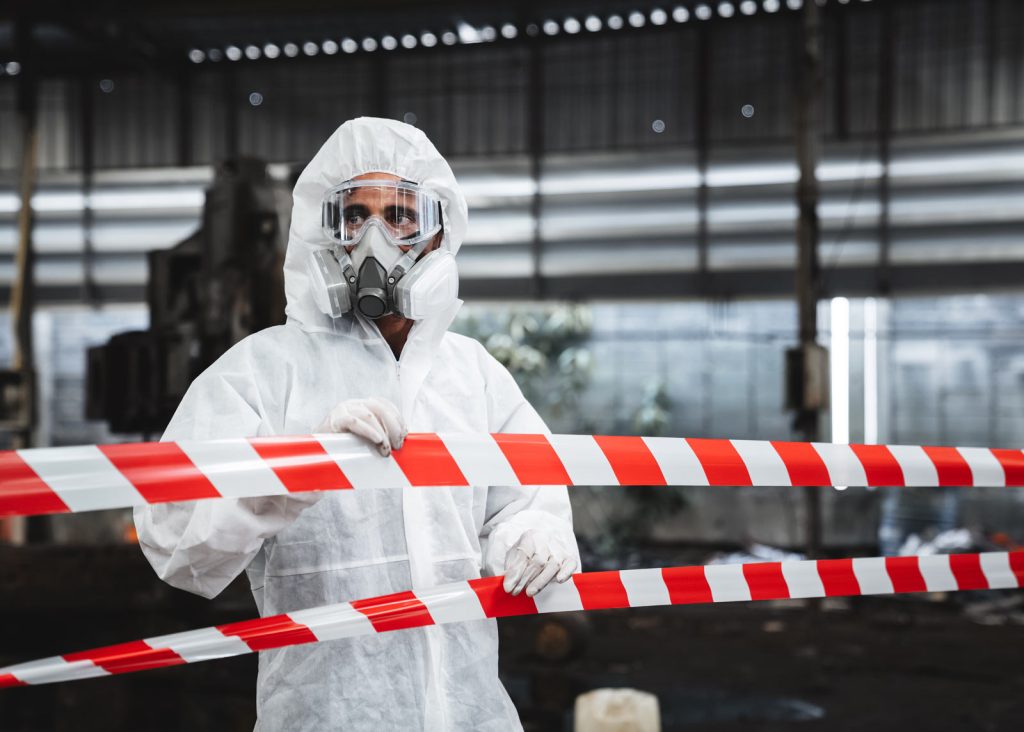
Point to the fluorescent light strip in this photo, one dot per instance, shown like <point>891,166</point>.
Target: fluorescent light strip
<point>140,199</point>
<point>870,371</point>
<point>840,370</point>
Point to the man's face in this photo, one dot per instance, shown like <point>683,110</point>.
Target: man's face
<point>395,208</point>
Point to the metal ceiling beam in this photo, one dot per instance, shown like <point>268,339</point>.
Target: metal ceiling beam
<point>757,283</point>
<point>924,279</point>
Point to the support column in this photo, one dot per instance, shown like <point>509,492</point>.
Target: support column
<point>811,374</point>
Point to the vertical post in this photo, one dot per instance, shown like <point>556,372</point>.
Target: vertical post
<point>702,124</point>
<point>231,103</point>
<point>808,282</point>
<point>19,393</point>
<point>991,60</point>
<point>184,99</point>
<point>87,141</point>
<point>535,133</point>
<point>885,106</point>
<point>841,80</point>
<point>22,290</point>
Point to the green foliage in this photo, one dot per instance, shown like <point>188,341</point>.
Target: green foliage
<point>543,347</point>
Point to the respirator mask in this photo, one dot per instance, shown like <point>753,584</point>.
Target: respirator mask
<point>378,229</point>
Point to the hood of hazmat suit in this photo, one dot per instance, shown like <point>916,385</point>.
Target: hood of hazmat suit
<point>353,544</point>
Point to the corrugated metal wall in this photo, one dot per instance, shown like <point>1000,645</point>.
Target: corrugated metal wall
<point>956,64</point>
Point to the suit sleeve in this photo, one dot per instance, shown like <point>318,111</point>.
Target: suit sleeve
<point>201,546</point>
<point>511,510</point>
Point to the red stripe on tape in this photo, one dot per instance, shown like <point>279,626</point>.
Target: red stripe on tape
<point>766,581</point>
<point>1013,464</point>
<point>127,657</point>
<point>9,680</point>
<point>394,612</point>
<point>722,464</point>
<point>686,585</point>
<point>838,578</point>
<point>1017,567</point>
<point>880,467</point>
<point>953,470</point>
<point>160,471</point>
<point>631,460</point>
<point>967,570</point>
<point>601,590</point>
<point>22,492</point>
<point>533,459</point>
<point>498,603</point>
<point>426,461</point>
<point>300,463</point>
<point>803,463</point>
<point>905,574</point>
<point>273,632</point>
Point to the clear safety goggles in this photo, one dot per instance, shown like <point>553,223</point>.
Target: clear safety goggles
<point>406,213</point>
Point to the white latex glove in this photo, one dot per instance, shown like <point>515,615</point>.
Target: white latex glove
<point>375,420</point>
<point>534,561</point>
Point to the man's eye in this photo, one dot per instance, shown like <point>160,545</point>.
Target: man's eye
<point>400,218</point>
<point>354,219</point>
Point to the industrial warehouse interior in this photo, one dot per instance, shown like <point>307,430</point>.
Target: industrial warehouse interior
<point>689,239</point>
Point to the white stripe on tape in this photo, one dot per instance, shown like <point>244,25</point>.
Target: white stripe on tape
<point>234,467</point>
<point>917,467</point>
<point>802,579</point>
<point>937,574</point>
<point>447,604</point>
<point>55,668</point>
<point>997,570</point>
<point>83,477</point>
<point>558,597</point>
<point>677,460</point>
<point>844,468</point>
<point>481,460</point>
<point>362,464</point>
<point>645,587</point>
<point>334,621</point>
<point>583,460</point>
<point>872,576</point>
<point>206,644</point>
<point>727,582</point>
<point>985,468</point>
<point>763,463</point>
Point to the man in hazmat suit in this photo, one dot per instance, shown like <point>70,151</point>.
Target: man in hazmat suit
<point>371,289</point>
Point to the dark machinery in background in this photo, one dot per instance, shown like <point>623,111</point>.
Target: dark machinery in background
<point>204,294</point>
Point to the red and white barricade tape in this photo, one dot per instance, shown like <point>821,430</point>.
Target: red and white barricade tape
<point>73,479</point>
<point>484,598</point>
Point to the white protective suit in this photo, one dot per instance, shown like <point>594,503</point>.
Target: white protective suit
<point>299,552</point>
